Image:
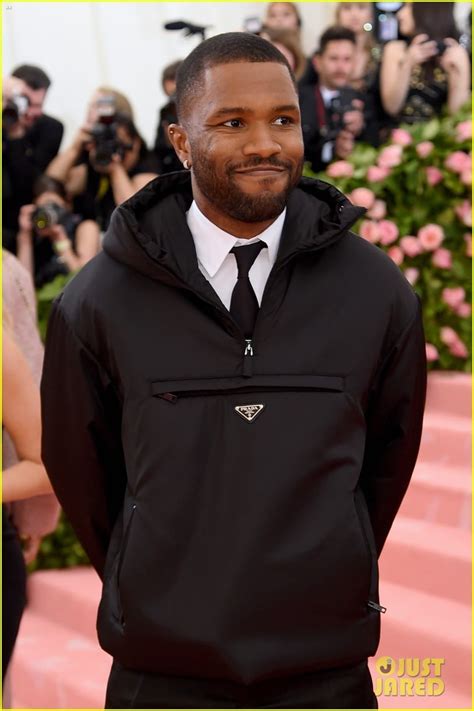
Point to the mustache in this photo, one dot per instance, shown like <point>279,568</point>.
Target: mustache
<point>257,162</point>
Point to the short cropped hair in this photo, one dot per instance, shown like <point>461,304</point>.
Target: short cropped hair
<point>335,34</point>
<point>33,76</point>
<point>222,49</point>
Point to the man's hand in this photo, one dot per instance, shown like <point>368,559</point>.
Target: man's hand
<point>24,218</point>
<point>354,120</point>
<point>344,144</point>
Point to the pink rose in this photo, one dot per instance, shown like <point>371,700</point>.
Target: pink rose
<point>430,237</point>
<point>453,297</point>
<point>378,210</point>
<point>431,352</point>
<point>390,156</point>
<point>442,258</point>
<point>458,162</point>
<point>468,241</point>
<point>340,169</point>
<point>412,275</point>
<point>411,246</point>
<point>448,336</point>
<point>388,232</point>
<point>458,349</point>
<point>370,231</point>
<point>375,174</point>
<point>464,310</point>
<point>464,131</point>
<point>396,254</point>
<point>464,212</point>
<point>363,197</point>
<point>424,148</point>
<point>466,177</point>
<point>433,175</point>
<point>401,137</point>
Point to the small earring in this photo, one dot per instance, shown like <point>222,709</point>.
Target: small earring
<point>186,165</point>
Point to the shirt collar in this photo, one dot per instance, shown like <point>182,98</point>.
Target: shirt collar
<point>213,244</point>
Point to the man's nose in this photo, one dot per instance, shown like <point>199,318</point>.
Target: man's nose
<point>260,140</point>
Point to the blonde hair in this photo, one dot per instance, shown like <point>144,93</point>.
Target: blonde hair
<point>122,104</point>
<point>291,40</point>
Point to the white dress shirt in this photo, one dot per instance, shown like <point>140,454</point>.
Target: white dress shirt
<point>213,247</point>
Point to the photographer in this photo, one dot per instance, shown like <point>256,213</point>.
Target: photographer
<point>332,113</point>
<point>428,71</point>
<point>167,160</point>
<point>51,239</point>
<point>105,165</point>
<point>30,140</point>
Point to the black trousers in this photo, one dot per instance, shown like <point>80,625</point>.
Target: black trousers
<point>344,688</point>
<point>14,588</point>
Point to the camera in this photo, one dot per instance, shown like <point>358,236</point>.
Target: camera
<point>338,108</point>
<point>104,133</point>
<point>48,215</point>
<point>15,108</point>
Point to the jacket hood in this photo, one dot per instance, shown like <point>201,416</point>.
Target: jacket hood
<point>149,232</point>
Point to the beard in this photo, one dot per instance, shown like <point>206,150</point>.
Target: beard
<point>225,193</point>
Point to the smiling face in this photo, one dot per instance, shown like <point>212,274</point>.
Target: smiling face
<point>243,139</point>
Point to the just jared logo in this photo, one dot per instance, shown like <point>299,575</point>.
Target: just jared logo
<point>409,676</point>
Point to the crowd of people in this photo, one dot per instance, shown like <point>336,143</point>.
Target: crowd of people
<point>58,201</point>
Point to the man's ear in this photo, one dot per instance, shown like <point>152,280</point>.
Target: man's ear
<point>178,138</point>
<point>315,62</point>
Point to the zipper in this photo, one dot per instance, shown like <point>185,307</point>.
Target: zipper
<point>376,606</point>
<point>120,562</point>
<point>248,355</point>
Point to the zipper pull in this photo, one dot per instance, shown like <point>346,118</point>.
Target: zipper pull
<point>248,353</point>
<point>248,348</point>
<point>375,606</point>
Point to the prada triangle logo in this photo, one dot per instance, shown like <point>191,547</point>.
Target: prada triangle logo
<point>249,412</point>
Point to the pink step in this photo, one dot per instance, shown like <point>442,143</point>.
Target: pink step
<point>428,557</point>
<point>439,494</point>
<point>56,668</point>
<point>421,625</point>
<point>450,393</point>
<point>446,441</point>
<point>67,597</point>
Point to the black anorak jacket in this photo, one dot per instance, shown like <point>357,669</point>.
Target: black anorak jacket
<point>234,496</point>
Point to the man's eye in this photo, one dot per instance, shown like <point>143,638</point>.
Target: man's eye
<point>284,121</point>
<point>233,123</point>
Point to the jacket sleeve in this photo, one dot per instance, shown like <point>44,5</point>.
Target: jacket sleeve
<point>394,425</point>
<point>81,442</point>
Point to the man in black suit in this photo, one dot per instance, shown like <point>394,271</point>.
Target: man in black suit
<point>30,141</point>
<point>332,113</point>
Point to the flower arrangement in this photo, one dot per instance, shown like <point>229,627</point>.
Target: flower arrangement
<point>417,192</point>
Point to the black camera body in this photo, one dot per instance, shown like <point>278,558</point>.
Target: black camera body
<point>15,108</point>
<point>49,215</point>
<point>106,142</point>
<point>336,112</point>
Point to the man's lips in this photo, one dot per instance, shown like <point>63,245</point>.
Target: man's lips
<point>261,171</point>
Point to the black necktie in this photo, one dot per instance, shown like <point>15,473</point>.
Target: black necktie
<point>244,304</point>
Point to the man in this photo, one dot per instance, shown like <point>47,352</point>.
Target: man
<point>332,113</point>
<point>232,405</point>
<point>30,141</point>
<point>167,160</point>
